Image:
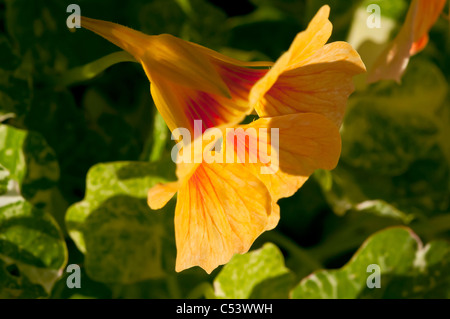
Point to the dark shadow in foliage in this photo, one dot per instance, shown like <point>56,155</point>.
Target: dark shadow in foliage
<point>266,37</point>
<point>416,286</point>
<point>274,288</point>
<point>15,286</point>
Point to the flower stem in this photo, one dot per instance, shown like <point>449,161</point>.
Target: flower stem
<point>160,135</point>
<point>92,69</point>
<point>156,141</point>
<point>185,5</point>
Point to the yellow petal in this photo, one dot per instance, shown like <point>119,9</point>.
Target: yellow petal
<point>221,209</point>
<point>306,142</point>
<point>130,40</point>
<point>411,39</point>
<point>305,44</point>
<point>313,38</point>
<point>317,80</point>
<point>319,84</point>
<point>160,194</point>
<point>274,216</point>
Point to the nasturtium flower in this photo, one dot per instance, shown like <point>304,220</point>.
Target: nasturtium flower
<point>188,81</point>
<point>411,39</point>
<point>223,207</point>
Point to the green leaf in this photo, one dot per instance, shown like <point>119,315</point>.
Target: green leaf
<point>32,251</point>
<point>123,240</point>
<point>407,269</point>
<point>4,179</point>
<point>31,162</point>
<point>260,273</point>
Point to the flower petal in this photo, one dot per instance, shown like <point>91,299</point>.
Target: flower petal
<point>313,38</point>
<point>428,12</point>
<point>220,211</point>
<point>306,142</point>
<point>160,194</point>
<point>320,84</point>
<point>180,105</point>
<point>411,39</point>
<point>130,40</point>
<point>274,216</point>
<point>304,45</point>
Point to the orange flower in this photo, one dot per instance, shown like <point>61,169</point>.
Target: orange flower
<point>412,38</point>
<point>188,81</point>
<point>223,207</point>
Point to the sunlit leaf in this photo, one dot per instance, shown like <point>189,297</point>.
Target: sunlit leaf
<point>32,163</point>
<point>259,273</point>
<point>123,240</point>
<point>407,269</point>
<point>32,251</point>
<point>4,179</point>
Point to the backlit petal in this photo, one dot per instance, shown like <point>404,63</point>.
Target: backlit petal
<point>310,77</point>
<point>160,194</point>
<point>411,39</point>
<point>428,12</point>
<point>306,142</point>
<point>313,38</point>
<point>274,216</point>
<point>321,85</point>
<point>220,211</point>
<point>305,44</point>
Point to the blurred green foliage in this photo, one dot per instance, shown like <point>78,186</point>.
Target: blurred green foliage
<point>76,160</point>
